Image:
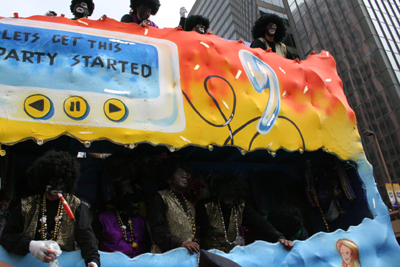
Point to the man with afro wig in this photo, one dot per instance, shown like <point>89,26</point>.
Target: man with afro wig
<point>220,217</point>
<point>40,225</point>
<point>269,32</point>
<point>171,217</point>
<point>197,23</point>
<point>81,9</point>
<point>140,12</point>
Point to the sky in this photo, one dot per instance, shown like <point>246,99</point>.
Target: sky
<point>167,16</point>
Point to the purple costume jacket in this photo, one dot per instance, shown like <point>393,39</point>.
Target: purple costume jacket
<point>113,240</point>
<point>128,18</point>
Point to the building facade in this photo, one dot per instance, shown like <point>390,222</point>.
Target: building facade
<point>228,18</point>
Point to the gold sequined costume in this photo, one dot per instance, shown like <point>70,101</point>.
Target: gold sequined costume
<point>216,237</point>
<point>31,207</point>
<point>178,223</point>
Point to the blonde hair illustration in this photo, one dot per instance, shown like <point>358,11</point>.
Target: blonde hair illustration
<point>349,252</point>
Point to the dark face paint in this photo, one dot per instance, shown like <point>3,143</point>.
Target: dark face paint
<point>51,14</point>
<point>53,188</point>
<point>271,29</point>
<point>180,180</point>
<point>81,10</point>
<point>143,13</point>
<point>131,208</point>
<point>200,28</point>
<point>56,184</point>
<point>228,199</point>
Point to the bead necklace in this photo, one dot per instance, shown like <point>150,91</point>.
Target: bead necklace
<point>188,212</point>
<point>43,220</point>
<point>235,214</point>
<point>123,229</point>
<point>244,229</point>
<point>348,190</point>
<point>312,195</point>
<point>320,210</point>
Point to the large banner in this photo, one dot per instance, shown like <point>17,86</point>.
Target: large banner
<point>103,79</point>
<point>89,78</point>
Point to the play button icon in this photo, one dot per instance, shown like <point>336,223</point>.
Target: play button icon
<point>115,110</point>
<point>38,106</point>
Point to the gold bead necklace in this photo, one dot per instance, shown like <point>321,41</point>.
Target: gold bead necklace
<point>320,210</point>
<point>123,229</point>
<point>235,216</point>
<point>188,212</point>
<point>43,220</point>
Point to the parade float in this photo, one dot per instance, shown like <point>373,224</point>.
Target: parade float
<point>94,86</point>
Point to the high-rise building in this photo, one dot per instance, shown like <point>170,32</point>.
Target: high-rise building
<point>228,18</point>
<point>364,38</point>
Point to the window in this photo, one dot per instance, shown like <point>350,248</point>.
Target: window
<point>378,28</point>
<point>274,2</point>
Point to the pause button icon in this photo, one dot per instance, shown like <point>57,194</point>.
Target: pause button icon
<point>76,107</point>
<point>73,104</point>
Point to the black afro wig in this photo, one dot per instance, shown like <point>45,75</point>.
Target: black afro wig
<point>228,185</point>
<point>120,164</point>
<point>287,219</point>
<point>259,27</point>
<point>154,5</point>
<point>193,20</point>
<point>89,3</point>
<point>167,169</point>
<point>128,201</point>
<point>53,165</point>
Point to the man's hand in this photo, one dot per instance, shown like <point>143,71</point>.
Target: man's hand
<point>193,247</point>
<point>145,23</point>
<point>183,12</point>
<point>41,251</point>
<point>286,243</point>
<point>92,264</point>
<point>49,255</point>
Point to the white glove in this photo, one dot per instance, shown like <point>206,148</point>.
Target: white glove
<point>39,249</point>
<point>57,252</point>
<point>92,264</point>
<point>183,11</point>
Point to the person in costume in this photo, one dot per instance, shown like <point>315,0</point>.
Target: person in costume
<point>288,220</point>
<point>51,13</point>
<point>140,12</point>
<point>349,252</point>
<point>122,228</point>
<point>81,9</point>
<point>269,32</point>
<point>221,216</point>
<point>171,216</point>
<point>182,21</point>
<point>40,225</point>
<point>197,23</point>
